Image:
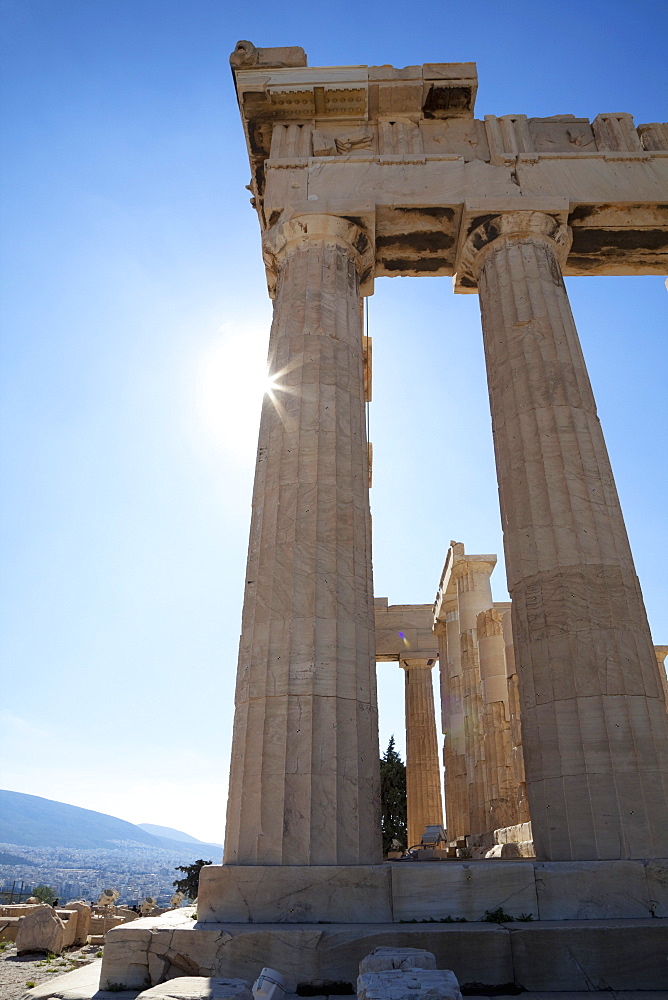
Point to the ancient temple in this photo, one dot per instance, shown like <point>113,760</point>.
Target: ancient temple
<point>554,708</point>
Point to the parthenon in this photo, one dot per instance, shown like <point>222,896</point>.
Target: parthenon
<point>359,172</point>
<point>365,171</point>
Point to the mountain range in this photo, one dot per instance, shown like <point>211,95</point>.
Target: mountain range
<point>33,821</point>
<point>171,834</point>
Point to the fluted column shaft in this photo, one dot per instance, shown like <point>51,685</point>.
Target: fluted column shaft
<point>594,725</point>
<point>304,779</point>
<point>424,803</point>
<point>496,720</point>
<point>474,594</point>
<point>452,712</point>
<point>514,709</point>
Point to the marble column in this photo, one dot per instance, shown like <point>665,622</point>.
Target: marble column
<point>304,778</point>
<point>452,715</point>
<point>496,719</point>
<point>424,804</point>
<point>474,594</point>
<point>515,712</point>
<point>595,729</point>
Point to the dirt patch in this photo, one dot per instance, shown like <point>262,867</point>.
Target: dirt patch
<point>16,971</point>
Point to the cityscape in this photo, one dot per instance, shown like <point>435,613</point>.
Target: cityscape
<point>75,873</point>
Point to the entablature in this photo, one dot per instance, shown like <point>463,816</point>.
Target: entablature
<point>404,630</point>
<point>405,143</point>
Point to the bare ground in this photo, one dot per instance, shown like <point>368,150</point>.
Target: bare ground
<point>19,972</point>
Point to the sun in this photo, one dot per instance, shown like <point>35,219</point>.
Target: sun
<point>230,384</point>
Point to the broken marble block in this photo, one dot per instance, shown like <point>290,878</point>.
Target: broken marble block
<point>199,988</point>
<point>84,914</point>
<point>41,930</point>
<point>504,851</point>
<point>418,984</point>
<point>385,959</point>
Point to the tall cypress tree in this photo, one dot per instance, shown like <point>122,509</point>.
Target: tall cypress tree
<point>393,798</point>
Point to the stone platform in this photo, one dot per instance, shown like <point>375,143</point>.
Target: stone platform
<point>582,955</point>
<point>566,925</point>
<point>405,891</point>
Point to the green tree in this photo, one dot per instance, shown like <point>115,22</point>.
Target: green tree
<point>45,894</point>
<point>189,885</point>
<point>393,799</point>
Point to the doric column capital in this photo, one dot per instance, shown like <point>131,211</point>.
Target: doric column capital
<point>417,663</point>
<point>290,235</point>
<point>465,564</point>
<point>519,227</point>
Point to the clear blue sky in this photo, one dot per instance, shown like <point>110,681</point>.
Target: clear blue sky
<point>134,327</point>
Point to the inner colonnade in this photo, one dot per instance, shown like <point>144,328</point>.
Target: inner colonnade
<point>468,637</point>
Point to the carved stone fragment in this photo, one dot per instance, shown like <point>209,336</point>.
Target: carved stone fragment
<point>419,984</point>
<point>654,135</point>
<point>40,930</point>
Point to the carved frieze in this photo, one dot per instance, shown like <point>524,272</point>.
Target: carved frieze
<point>617,133</point>
<point>465,137</point>
<point>399,142</point>
<point>291,142</point>
<point>508,136</point>
<point>399,138</point>
<point>352,140</point>
<point>561,134</point>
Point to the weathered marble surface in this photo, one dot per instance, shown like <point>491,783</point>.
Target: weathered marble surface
<point>40,930</point>
<point>304,775</point>
<point>456,890</point>
<point>294,894</point>
<point>424,804</point>
<point>304,953</point>
<point>403,628</point>
<point>199,988</point>
<point>382,959</point>
<point>541,955</point>
<point>591,955</point>
<point>83,920</point>
<point>595,729</point>
<point>421,984</point>
<point>599,890</point>
<point>432,890</point>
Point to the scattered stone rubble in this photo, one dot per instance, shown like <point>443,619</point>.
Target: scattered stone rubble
<point>41,930</point>
<point>36,926</point>
<point>395,973</point>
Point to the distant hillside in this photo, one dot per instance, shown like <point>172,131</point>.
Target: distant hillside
<point>14,859</point>
<point>38,822</point>
<point>167,831</point>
